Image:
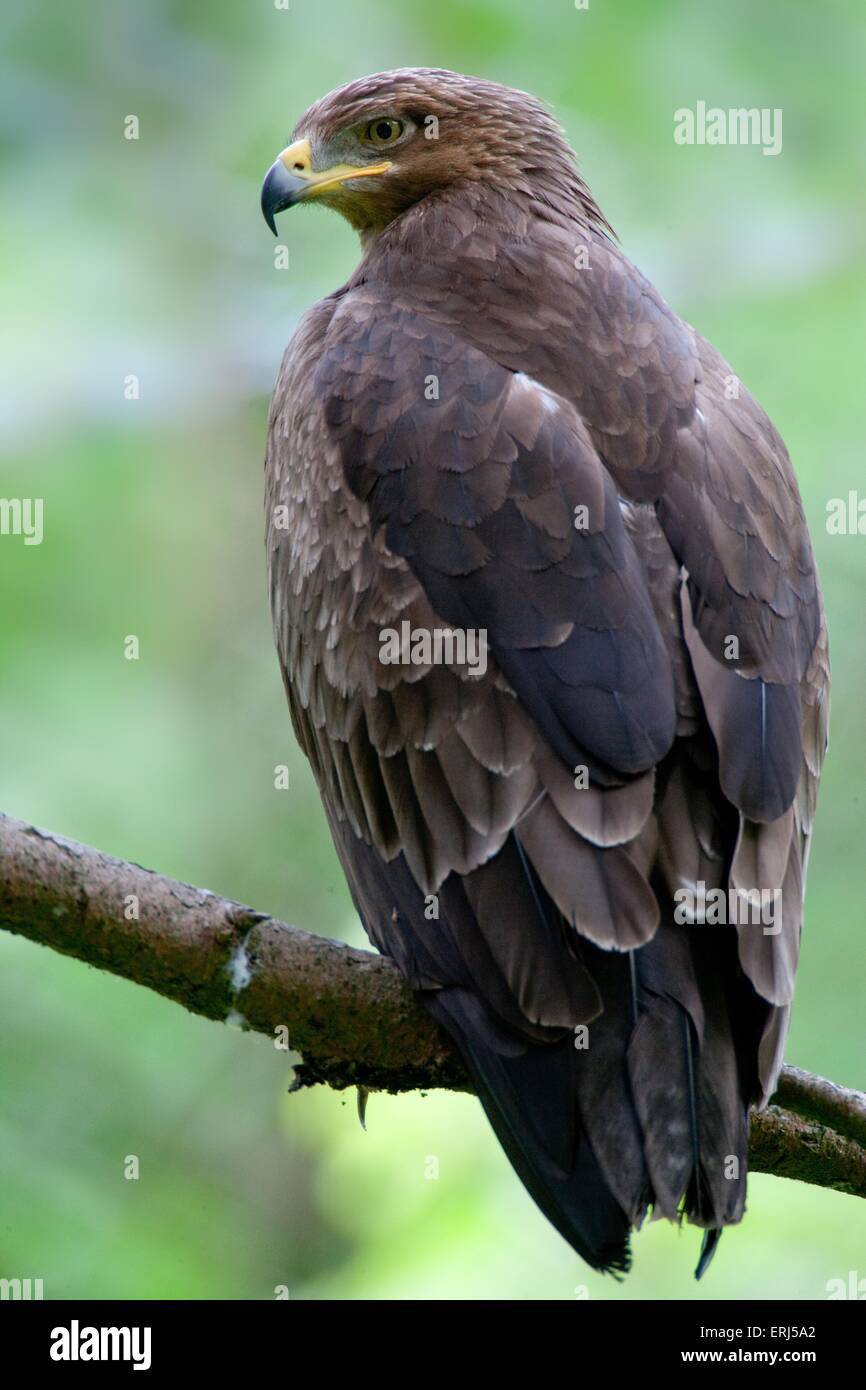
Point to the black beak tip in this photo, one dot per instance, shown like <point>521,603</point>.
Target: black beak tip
<point>280,190</point>
<point>269,203</point>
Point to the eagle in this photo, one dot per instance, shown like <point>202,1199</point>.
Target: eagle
<point>578,820</point>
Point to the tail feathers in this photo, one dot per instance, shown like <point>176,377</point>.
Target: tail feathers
<point>658,1073</point>
<point>723,1087</point>
<point>651,1114</point>
<point>709,1245</point>
<point>685,1076</point>
<point>603,1090</point>
<point>530,1102</point>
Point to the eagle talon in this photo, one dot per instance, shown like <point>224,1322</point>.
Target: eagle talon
<point>363,1096</point>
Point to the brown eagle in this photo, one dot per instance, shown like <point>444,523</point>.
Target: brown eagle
<point>552,636</point>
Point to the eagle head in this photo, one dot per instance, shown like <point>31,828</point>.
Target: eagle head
<point>379,145</point>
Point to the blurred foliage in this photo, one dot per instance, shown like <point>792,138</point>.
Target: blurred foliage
<point>150,257</point>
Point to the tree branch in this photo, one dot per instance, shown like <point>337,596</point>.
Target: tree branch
<point>347,1012</point>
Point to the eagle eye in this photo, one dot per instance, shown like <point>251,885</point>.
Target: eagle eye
<point>383,131</point>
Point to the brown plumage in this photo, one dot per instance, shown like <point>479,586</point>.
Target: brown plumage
<point>498,424</point>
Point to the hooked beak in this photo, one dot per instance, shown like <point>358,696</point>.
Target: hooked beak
<point>291,178</point>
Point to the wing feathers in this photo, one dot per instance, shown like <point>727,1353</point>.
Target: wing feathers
<point>653,716</point>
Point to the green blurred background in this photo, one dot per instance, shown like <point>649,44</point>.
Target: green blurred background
<point>150,257</point>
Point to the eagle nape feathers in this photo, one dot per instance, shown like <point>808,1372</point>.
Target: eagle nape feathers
<point>552,638</point>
